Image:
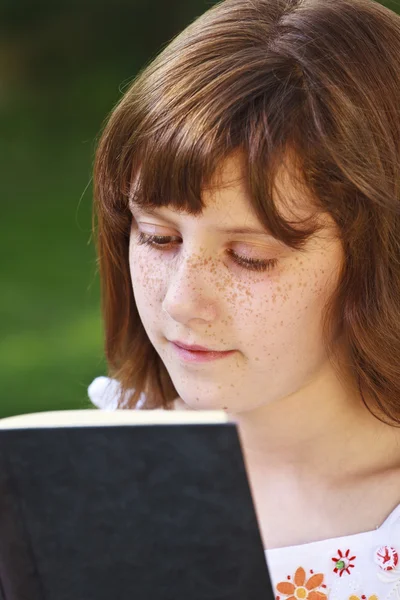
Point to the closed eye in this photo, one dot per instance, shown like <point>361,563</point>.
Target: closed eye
<point>164,243</point>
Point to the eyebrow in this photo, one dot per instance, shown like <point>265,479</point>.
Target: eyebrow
<point>227,230</point>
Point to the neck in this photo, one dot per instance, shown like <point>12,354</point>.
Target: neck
<point>322,430</point>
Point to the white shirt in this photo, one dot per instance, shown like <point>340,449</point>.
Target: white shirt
<point>362,566</point>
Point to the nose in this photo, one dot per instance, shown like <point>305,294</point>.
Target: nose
<point>190,295</point>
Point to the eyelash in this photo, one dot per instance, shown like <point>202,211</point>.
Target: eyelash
<point>161,242</point>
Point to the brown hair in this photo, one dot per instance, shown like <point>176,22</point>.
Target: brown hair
<point>317,79</point>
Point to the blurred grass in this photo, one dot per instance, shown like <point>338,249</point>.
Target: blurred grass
<point>51,341</point>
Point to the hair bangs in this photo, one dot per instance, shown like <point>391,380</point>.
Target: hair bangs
<point>174,166</point>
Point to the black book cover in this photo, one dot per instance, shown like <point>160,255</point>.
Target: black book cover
<point>149,512</point>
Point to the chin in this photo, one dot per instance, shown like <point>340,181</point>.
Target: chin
<point>201,399</point>
<point>201,403</point>
<point>201,392</point>
<point>204,400</point>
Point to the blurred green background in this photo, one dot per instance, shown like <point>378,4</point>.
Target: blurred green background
<point>63,66</point>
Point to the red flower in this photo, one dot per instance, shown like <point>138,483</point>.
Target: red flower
<point>343,562</point>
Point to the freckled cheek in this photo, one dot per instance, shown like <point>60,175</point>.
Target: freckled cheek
<point>300,304</point>
<point>249,307</point>
<point>268,307</point>
<point>147,282</point>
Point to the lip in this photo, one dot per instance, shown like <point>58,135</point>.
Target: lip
<point>198,354</point>
<point>192,348</point>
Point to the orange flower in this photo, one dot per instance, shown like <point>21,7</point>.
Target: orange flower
<point>300,589</point>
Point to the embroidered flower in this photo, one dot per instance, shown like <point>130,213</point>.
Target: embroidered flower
<point>343,562</point>
<point>387,558</point>
<point>373,597</point>
<point>301,589</point>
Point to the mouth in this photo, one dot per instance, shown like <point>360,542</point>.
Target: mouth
<point>195,353</point>
<point>193,347</point>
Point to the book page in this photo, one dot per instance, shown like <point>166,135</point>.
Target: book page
<point>95,417</point>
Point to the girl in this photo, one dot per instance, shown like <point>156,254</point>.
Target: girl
<point>247,193</point>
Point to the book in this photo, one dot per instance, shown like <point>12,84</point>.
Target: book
<point>118,505</point>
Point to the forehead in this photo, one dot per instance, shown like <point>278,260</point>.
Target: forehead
<point>227,193</point>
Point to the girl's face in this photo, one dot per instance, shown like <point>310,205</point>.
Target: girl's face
<point>204,281</point>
